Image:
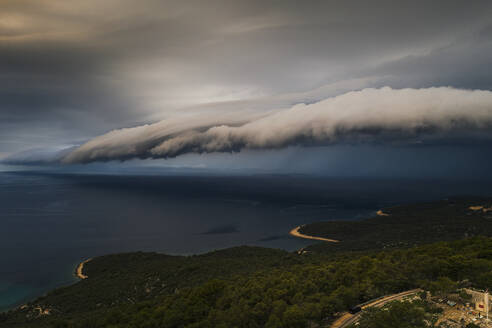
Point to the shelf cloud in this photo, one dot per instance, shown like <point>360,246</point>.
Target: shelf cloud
<point>172,77</point>
<point>383,115</point>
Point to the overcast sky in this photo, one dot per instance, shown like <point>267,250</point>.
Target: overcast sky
<point>74,70</point>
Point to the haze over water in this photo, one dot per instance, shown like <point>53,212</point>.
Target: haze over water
<point>52,222</point>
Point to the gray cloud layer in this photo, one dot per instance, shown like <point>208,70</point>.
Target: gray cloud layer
<point>72,70</point>
<point>370,115</point>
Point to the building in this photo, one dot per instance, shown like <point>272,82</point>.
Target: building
<point>480,300</point>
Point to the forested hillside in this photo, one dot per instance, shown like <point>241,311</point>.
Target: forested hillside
<point>250,287</point>
<point>407,225</point>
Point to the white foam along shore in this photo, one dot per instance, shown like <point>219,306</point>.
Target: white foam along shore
<point>80,269</point>
<point>295,232</point>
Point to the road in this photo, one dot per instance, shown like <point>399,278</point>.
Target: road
<point>347,319</point>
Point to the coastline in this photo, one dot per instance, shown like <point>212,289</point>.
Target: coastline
<point>79,271</point>
<point>381,213</point>
<point>295,232</point>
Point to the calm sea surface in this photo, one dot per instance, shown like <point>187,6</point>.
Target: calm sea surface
<point>49,223</point>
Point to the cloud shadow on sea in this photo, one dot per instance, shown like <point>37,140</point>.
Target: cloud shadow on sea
<point>224,229</point>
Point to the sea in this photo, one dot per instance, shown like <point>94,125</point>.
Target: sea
<point>50,222</point>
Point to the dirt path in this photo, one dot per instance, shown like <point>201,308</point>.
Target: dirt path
<point>347,319</point>
<point>80,268</point>
<point>295,232</point>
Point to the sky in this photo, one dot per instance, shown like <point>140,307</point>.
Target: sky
<point>337,87</point>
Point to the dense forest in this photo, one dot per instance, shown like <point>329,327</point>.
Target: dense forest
<point>417,313</point>
<point>251,287</point>
<point>260,287</point>
<point>406,314</point>
<point>407,225</point>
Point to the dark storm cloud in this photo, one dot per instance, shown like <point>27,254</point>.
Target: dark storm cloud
<point>462,65</point>
<point>71,70</point>
<point>38,156</point>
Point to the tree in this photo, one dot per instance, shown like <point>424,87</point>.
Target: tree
<point>274,322</point>
<point>294,317</point>
<point>395,314</point>
<point>472,325</point>
<point>442,286</point>
<point>465,296</point>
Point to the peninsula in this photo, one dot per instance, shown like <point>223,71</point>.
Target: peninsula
<point>296,233</point>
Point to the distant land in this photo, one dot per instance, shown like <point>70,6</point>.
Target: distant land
<point>413,246</point>
<point>407,225</point>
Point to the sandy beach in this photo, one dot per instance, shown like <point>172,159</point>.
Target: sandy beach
<point>295,232</point>
<point>381,213</point>
<point>80,268</point>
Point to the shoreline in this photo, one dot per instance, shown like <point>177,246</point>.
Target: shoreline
<point>295,232</point>
<point>79,271</point>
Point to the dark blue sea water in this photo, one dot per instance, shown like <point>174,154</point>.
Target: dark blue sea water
<point>49,223</point>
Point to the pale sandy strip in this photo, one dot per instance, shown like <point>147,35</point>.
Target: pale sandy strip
<point>80,269</point>
<point>381,213</point>
<point>295,232</point>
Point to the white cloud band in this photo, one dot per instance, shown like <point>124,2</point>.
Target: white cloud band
<point>360,116</point>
